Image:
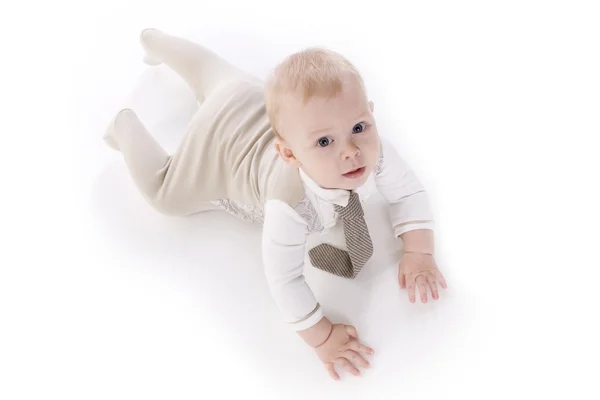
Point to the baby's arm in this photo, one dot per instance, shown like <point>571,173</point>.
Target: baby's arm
<point>284,250</point>
<point>412,221</point>
<point>409,204</point>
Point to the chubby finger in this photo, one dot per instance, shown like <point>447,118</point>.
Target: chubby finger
<point>347,365</point>
<point>331,369</point>
<point>433,286</point>
<point>356,358</point>
<point>410,285</point>
<point>359,347</point>
<point>440,278</point>
<point>350,330</point>
<point>422,283</point>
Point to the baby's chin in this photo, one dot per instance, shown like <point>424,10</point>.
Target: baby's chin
<point>352,185</point>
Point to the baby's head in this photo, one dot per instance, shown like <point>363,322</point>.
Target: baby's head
<point>322,118</point>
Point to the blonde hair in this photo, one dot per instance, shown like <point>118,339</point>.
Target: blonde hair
<point>315,71</point>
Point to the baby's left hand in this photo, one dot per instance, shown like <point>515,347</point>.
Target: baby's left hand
<point>418,269</point>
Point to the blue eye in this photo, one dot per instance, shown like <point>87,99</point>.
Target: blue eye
<point>324,142</point>
<point>358,128</point>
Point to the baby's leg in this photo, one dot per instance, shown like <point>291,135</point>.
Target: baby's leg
<point>187,181</point>
<point>202,69</point>
<point>151,168</point>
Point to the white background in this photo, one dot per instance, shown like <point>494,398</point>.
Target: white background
<point>496,105</point>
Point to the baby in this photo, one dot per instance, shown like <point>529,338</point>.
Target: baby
<point>297,154</point>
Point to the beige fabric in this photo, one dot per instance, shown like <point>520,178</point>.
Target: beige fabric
<point>227,152</point>
<point>360,247</point>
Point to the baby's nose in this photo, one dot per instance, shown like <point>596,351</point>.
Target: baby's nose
<point>351,151</point>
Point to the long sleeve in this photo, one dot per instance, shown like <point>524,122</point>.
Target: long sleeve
<point>283,246</point>
<point>409,204</point>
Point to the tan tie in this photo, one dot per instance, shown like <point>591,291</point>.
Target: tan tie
<point>360,247</point>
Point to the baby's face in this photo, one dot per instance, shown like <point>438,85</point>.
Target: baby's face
<point>335,141</point>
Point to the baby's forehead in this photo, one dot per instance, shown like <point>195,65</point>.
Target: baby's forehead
<point>340,105</point>
<point>323,107</point>
<point>317,117</point>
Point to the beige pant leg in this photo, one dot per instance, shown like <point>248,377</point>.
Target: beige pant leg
<point>198,172</point>
<point>162,179</point>
<point>203,70</point>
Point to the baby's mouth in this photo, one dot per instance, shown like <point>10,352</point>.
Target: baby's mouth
<point>355,173</point>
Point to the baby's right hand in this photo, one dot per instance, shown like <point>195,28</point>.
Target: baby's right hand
<point>342,347</point>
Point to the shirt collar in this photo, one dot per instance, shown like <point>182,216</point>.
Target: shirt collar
<point>337,196</point>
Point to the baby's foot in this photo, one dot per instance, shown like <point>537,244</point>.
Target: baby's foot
<point>150,61</point>
<point>146,35</point>
<point>110,137</point>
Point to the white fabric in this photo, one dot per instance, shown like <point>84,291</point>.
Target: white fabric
<point>285,232</point>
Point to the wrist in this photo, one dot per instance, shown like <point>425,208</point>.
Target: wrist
<point>317,334</point>
<point>418,241</point>
<point>326,338</point>
<point>419,252</point>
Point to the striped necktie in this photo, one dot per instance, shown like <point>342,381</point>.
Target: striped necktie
<point>349,263</point>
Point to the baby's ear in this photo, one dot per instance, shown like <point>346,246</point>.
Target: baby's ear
<point>285,152</point>
<point>371,106</point>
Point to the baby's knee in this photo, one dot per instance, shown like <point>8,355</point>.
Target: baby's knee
<point>168,206</point>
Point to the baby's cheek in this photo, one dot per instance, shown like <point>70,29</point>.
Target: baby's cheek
<point>369,138</point>
<point>370,145</point>
<point>321,164</point>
